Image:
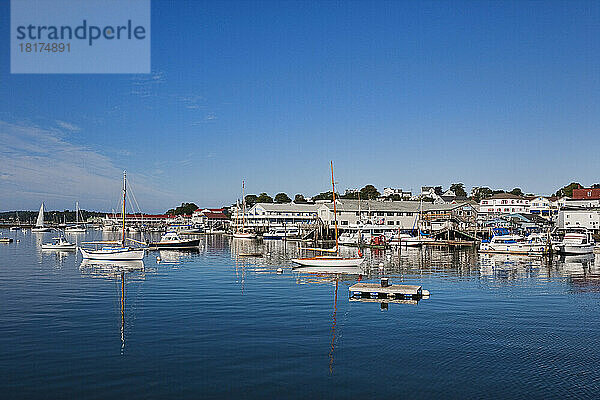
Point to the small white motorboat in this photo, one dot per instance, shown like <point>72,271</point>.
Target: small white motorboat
<point>59,243</point>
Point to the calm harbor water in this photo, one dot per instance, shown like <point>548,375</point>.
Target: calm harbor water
<point>213,324</point>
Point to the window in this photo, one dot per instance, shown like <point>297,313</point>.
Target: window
<point>390,222</point>
<point>390,214</point>
<point>344,222</point>
<point>380,214</point>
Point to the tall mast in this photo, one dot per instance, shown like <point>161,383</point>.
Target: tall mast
<point>334,211</point>
<point>123,212</point>
<point>243,208</point>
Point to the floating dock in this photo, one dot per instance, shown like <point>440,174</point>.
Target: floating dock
<point>386,292</point>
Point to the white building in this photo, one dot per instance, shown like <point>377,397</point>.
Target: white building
<point>588,218</point>
<point>504,203</point>
<point>269,215</point>
<point>394,215</point>
<point>387,192</point>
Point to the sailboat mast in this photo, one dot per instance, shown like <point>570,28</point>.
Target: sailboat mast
<point>334,211</point>
<point>123,211</point>
<point>243,207</point>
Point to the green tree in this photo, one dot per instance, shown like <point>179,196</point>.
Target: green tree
<point>458,189</point>
<point>481,193</point>
<point>282,198</point>
<point>369,192</point>
<point>596,186</point>
<point>264,198</point>
<point>299,199</point>
<point>183,209</point>
<point>568,190</point>
<point>438,190</point>
<point>324,196</point>
<point>517,192</point>
<point>349,195</point>
<point>251,199</point>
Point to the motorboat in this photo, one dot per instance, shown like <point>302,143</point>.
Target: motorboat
<point>39,224</point>
<point>59,243</point>
<point>282,233</point>
<point>515,244</point>
<point>171,240</point>
<point>578,242</point>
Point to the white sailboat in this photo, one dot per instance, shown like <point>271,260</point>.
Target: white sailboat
<point>115,251</point>
<point>76,228</point>
<point>243,233</point>
<point>39,224</point>
<point>334,259</point>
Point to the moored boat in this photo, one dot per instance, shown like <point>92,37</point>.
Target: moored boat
<point>171,240</point>
<point>39,224</point>
<point>59,243</point>
<point>577,242</point>
<point>515,244</point>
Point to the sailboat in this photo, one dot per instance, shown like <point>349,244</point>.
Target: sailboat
<point>334,259</point>
<point>39,225</point>
<point>16,227</point>
<point>116,251</point>
<point>243,233</point>
<point>76,228</point>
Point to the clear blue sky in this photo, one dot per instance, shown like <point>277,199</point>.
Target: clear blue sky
<point>399,94</point>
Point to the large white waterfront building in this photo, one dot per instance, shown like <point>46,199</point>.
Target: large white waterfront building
<point>584,217</point>
<point>397,215</point>
<point>504,203</point>
<point>263,216</point>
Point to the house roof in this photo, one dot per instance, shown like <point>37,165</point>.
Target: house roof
<point>287,207</point>
<point>505,196</point>
<point>399,206</point>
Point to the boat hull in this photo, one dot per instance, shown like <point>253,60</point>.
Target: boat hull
<point>574,249</point>
<point>328,262</point>
<point>183,244</point>
<point>59,247</point>
<point>244,235</point>
<point>40,229</point>
<point>112,255</point>
<point>513,249</point>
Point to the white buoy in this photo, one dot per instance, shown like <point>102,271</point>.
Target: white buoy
<point>158,259</point>
<point>380,265</point>
<point>280,270</point>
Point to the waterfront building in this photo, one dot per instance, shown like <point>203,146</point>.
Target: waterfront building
<point>210,218</point>
<point>397,215</point>
<point>579,217</point>
<point>587,197</point>
<point>263,216</point>
<point>504,203</point>
<point>149,220</point>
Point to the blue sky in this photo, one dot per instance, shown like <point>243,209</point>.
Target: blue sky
<point>398,94</point>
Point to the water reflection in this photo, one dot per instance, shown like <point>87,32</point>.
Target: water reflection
<point>120,272</point>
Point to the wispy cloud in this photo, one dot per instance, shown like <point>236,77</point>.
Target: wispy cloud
<point>146,85</point>
<point>38,164</point>
<point>68,126</point>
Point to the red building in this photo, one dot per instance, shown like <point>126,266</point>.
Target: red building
<point>586,194</point>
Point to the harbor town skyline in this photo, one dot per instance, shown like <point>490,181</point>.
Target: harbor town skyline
<point>488,94</point>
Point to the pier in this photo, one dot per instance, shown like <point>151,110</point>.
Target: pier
<point>384,291</point>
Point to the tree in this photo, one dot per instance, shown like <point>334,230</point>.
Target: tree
<point>282,198</point>
<point>183,209</point>
<point>596,186</point>
<point>438,190</point>
<point>568,190</point>
<point>264,198</point>
<point>299,199</point>
<point>324,196</point>
<point>480,193</point>
<point>458,189</point>
<point>516,191</point>
<point>369,192</point>
<point>251,199</point>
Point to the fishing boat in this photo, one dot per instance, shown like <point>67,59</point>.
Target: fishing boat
<point>59,243</point>
<point>243,233</point>
<point>333,258</point>
<point>39,224</point>
<point>576,242</point>
<point>115,251</point>
<point>76,228</point>
<point>171,240</point>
